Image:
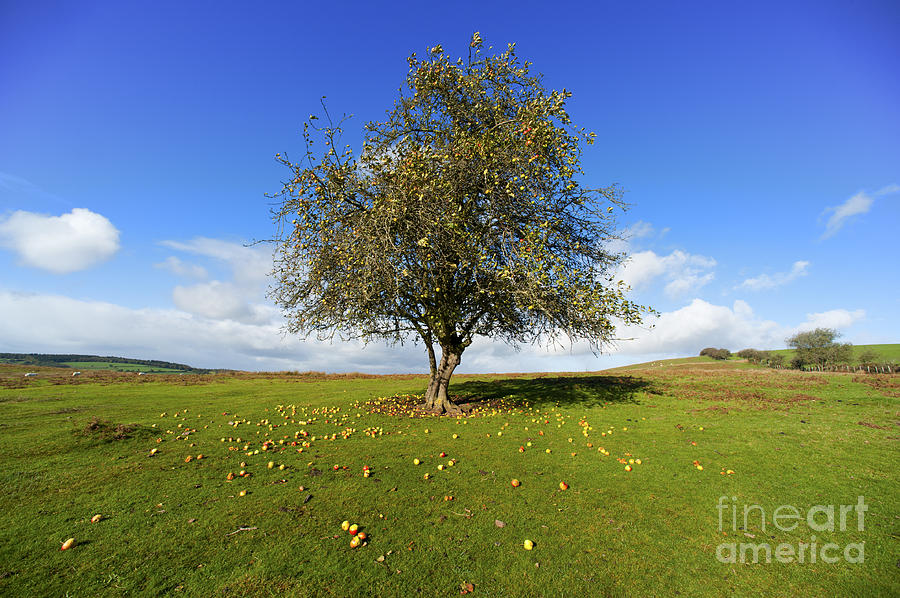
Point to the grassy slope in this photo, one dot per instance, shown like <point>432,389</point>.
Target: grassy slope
<point>652,531</point>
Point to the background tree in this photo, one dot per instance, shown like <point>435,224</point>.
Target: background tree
<point>868,358</point>
<point>818,347</point>
<point>462,217</point>
<point>752,355</point>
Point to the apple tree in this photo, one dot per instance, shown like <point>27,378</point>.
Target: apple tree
<point>820,348</point>
<point>461,216</point>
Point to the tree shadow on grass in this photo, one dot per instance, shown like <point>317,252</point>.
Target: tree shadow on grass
<point>585,391</point>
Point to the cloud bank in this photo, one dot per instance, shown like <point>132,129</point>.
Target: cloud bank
<point>57,324</point>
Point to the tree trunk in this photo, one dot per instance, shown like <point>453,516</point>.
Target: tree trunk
<point>432,363</point>
<point>436,398</point>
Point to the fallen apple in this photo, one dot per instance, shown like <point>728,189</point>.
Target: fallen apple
<point>67,544</point>
<point>96,518</point>
<point>345,525</point>
<point>515,483</point>
<point>563,486</point>
<point>528,544</point>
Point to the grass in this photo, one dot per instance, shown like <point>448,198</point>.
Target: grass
<point>71,448</point>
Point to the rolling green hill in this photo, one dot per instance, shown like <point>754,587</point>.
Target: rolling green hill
<point>96,362</point>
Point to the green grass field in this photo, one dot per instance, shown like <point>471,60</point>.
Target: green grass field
<point>169,526</point>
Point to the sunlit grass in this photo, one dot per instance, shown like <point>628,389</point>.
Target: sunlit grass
<point>175,526</point>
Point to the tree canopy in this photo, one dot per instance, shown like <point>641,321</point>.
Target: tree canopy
<point>462,216</point>
<point>819,347</point>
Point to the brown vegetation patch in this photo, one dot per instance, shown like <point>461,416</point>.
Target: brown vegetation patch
<point>105,431</point>
<point>13,376</point>
<point>888,385</point>
<point>760,388</point>
<point>871,425</point>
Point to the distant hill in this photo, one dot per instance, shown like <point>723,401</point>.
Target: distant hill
<point>96,362</point>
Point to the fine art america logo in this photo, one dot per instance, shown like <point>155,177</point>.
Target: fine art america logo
<point>787,518</point>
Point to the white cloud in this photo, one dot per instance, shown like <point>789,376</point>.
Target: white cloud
<point>858,204</point>
<point>222,301</point>
<point>60,244</point>
<point>177,266</point>
<point>701,324</point>
<point>250,265</point>
<point>215,299</point>
<point>240,299</point>
<point>683,271</point>
<point>639,230</point>
<point>764,281</point>
<point>835,318</point>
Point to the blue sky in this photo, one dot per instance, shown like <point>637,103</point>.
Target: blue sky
<point>759,146</point>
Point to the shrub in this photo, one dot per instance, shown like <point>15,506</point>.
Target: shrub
<point>715,353</point>
<point>752,355</point>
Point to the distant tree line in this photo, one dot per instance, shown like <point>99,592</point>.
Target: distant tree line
<point>59,361</point>
<point>813,350</point>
